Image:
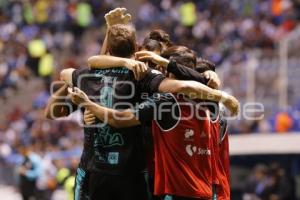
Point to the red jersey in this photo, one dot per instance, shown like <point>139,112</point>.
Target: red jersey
<point>220,158</point>
<point>223,189</point>
<point>183,155</point>
<point>215,133</point>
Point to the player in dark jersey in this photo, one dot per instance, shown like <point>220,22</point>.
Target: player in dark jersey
<point>117,159</point>
<point>58,107</point>
<point>167,124</point>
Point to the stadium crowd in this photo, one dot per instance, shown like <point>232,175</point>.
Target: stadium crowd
<point>269,182</point>
<point>38,38</point>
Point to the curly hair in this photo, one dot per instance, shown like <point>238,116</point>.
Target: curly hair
<point>121,40</point>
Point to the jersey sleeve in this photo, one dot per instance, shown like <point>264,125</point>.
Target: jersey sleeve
<point>76,76</point>
<point>161,107</point>
<point>184,73</point>
<point>150,83</point>
<point>223,126</point>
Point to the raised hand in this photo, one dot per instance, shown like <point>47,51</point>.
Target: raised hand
<point>117,16</point>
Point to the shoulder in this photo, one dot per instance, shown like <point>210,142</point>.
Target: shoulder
<point>67,73</point>
<point>168,112</point>
<point>71,75</point>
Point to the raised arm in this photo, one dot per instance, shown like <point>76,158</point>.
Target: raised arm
<point>105,61</point>
<point>116,16</point>
<point>103,50</point>
<point>57,106</point>
<point>184,73</point>
<point>142,114</point>
<point>192,89</point>
<point>197,90</point>
<point>181,72</point>
<point>115,118</point>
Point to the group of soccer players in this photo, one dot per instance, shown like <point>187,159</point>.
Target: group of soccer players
<point>154,128</point>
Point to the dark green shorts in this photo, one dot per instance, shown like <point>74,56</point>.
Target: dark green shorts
<point>81,185</point>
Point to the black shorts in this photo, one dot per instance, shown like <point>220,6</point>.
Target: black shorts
<point>117,187</point>
<point>81,185</point>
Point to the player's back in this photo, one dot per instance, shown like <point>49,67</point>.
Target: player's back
<point>115,151</point>
<point>183,154</point>
<point>111,88</point>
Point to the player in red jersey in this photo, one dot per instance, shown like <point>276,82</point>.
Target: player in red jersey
<point>223,189</point>
<point>220,157</point>
<point>183,165</point>
<point>220,144</point>
<point>220,176</point>
<point>181,146</point>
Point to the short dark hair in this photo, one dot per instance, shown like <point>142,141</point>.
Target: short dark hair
<point>151,45</point>
<point>160,36</point>
<point>181,55</point>
<point>121,40</point>
<point>205,65</point>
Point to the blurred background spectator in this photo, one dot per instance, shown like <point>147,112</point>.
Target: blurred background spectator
<point>269,183</point>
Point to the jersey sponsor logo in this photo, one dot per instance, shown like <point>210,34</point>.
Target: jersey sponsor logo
<point>154,71</point>
<point>194,150</point>
<point>205,135</point>
<point>189,133</point>
<point>105,136</point>
<point>120,70</point>
<point>190,150</point>
<point>202,135</point>
<point>113,158</point>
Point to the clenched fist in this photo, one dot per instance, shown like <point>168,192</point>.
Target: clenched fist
<point>231,103</point>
